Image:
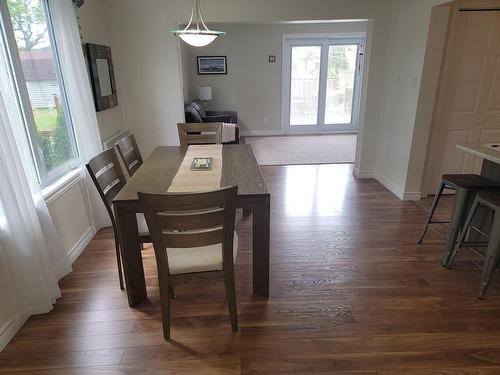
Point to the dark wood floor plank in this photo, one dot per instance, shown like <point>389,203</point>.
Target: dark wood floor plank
<point>350,293</point>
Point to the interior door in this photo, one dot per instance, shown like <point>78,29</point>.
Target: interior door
<point>468,105</point>
<point>322,84</point>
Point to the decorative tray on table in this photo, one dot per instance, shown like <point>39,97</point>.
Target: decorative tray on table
<point>201,164</point>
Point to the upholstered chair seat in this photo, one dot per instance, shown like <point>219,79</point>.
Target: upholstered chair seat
<point>198,259</point>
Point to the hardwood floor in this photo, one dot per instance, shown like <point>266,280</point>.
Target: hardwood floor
<point>351,293</point>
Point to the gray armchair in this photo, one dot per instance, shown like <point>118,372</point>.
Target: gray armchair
<point>196,113</point>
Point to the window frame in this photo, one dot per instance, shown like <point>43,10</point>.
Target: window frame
<point>45,178</point>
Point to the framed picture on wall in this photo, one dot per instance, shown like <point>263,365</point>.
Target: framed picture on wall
<point>212,65</point>
<point>102,76</point>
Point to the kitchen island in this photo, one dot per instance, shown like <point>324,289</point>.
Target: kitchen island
<point>490,153</point>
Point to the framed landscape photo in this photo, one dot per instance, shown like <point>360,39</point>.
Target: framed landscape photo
<point>212,65</point>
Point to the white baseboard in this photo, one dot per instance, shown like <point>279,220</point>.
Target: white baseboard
<point>260,133</point>
<point>363,174</point>
<point>10,328</point>
<point>412,196</point>
<point>396,190</point>
<point>82,243</point>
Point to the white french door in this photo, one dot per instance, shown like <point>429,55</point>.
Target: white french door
<point>322,84</point>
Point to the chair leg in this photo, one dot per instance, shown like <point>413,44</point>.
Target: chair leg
<point>247,212</point>
<point>165,308</point>
<point>492,257</point>
<point>231,298</point>
<point>463,233</point>
<point>435,202</point>
<point>462,199</point>
<point>119,260</point>
<point>172,292</point>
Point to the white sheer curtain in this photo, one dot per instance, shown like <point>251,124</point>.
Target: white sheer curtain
<point>79,94</point>
<point>32,259</point>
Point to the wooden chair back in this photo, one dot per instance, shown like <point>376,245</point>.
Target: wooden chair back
<point>129,153</point>
<point>190,220</point>
<point>108,177</point>
<point>199,133</point>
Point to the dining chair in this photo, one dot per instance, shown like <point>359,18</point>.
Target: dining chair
<point>199,133</point>
<point>108,177</point>
<point>129,154</point>
<point>193,237</point>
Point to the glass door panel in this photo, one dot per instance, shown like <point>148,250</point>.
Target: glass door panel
<point>304,85</point>
<point>341,79</point>
<point>321,84</point>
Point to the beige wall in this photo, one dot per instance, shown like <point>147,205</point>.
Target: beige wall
<point>253,86</point>
<point>94,29</point>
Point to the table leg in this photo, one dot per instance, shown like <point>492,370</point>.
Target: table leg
<point>133,270</point>
<point>261,240</point>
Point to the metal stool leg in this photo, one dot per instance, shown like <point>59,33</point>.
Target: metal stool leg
<point>463,233</point>
<point>492,257</point>
<point>462,199</point>
<point>432,209</point>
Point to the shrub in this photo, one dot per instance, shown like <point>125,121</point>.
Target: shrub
<point>56,146</point>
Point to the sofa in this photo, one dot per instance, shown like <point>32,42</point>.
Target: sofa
<point>195,112</point>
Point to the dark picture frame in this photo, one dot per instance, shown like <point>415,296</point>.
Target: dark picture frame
<point>102,76</point>
<point>209,65</point>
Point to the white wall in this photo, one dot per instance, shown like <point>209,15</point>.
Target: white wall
<point>438,33</point>
<point>253,86</point>
<point>147,57</point>
<point>150,78</point>
<point>404,72</point>
<point>72,200</point>
<point>94,29</point>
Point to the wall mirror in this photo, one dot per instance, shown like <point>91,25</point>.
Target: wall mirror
<point>102,76</point>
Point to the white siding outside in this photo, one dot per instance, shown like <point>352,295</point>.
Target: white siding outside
<point>42,93</point>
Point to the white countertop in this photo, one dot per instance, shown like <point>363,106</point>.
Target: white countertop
<point>482,150</point>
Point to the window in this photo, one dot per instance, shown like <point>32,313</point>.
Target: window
<point>29,40</point>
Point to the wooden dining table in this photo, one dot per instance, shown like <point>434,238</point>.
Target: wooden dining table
<point>239,168</point>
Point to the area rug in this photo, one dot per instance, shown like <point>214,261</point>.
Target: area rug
<point>311,149</point>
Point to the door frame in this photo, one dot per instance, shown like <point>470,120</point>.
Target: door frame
<point>322,39</point>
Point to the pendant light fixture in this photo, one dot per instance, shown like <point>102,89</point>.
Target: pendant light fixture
<point>197,35</point>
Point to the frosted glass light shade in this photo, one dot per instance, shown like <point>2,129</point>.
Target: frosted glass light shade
<point>204,92</point>
<point>198,40</point>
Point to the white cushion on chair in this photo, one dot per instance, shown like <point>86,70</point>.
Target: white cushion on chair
<point>198,259</point>
<point>142,226</point>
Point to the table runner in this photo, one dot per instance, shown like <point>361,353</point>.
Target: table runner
<point>188,181</point>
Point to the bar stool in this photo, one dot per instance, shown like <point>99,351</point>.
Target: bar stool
<point>466,187</point>
<point>492,201</point>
